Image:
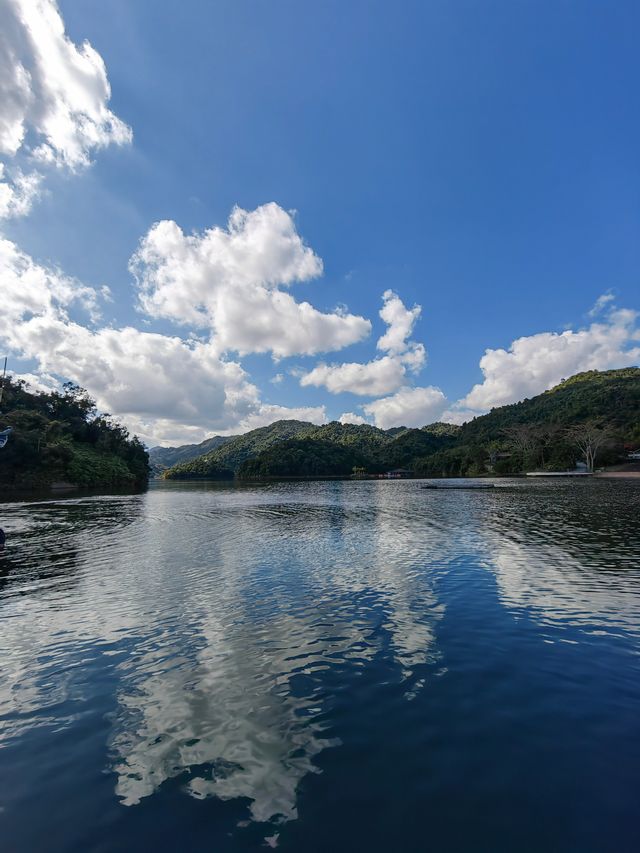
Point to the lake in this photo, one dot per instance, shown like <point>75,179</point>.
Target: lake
<point>332,666</point>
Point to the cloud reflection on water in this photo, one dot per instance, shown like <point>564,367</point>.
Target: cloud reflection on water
<point>221,616</point>
<point>247,706</point>
<point>569,557</point>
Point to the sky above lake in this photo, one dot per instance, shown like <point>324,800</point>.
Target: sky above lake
<point>214,215</point>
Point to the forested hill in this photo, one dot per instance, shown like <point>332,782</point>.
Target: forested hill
<point>225,460</point>
<point>611,396</point>
<point>161,458</point>
<point>364,445</point>
<point>61,437</point>
<point>534,433</point>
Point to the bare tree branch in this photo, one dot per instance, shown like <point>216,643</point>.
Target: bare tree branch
<point>589,438</point>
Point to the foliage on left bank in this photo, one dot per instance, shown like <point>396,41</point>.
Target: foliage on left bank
<point>61,437</point>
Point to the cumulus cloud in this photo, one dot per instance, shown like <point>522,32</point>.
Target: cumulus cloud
<point>54,100</point>
<point>41,382</point>
<point>18,191</point>
<point>230,280</point>
<point>412,407</point>
<point>536,363</point>
<point>352,418</point>
<point>381,375</point>
<point>163,387</point>
<point>51,90</point>
<point>30,290</point>
<point>267,414</point>
<point>371,379</point>
<point>457,416</point>
<point>400,321</point>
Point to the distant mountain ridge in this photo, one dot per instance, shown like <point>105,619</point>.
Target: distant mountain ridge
<point>298,448</point>
<point>365,443</point>
<point>230,455</point>
<point>161,458</point>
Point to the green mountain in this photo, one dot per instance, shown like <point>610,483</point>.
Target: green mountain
<point>224,461</point>
<point>533,434</point>
<point>364,446</point>
<point>394,432</point>
<point>339,450</point>
<point>611,395</point>
<point>440,429</point>
<point>161,458</point>
<point>365,438</point>
<point>510,439</point>
<point>411,445</point>
<point>61,437</point>
<point>303,457</point>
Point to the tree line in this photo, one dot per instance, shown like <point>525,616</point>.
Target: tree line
<point>60,435</point>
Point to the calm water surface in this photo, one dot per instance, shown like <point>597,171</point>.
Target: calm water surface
<point>359,666</point>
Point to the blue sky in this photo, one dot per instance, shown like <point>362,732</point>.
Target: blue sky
<point>479,160</point>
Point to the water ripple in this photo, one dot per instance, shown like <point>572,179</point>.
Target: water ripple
<point>216,631</point>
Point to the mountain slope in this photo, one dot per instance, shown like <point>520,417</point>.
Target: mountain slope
<point>61,437</point>
<point>365,438</point>
<point>232,453</point>
<point>161,458</point>
<point>303,457</point>
<point>611,395</point>
<point>360,446</point>
<point>481,446</point>
<point>608,398</point>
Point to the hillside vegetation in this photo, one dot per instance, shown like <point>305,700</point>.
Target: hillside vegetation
<point>161,458</point>
<point>535,433</point>
<point>543,432</point>
<point>303,457</point>
<point>61,437</point>
<point>224,461</point>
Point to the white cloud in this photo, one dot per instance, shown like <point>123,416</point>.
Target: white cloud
<point>18,191</point>
<point>230,280</point>
<point>400,321</point>
<point>157,384</point>
<point>163,387</point>
<point>52,91</point>
<point>277,379</point>
<point>457,416</point>
<point>267,414</point>
<point>601,303</point>
<point>371,379</point>
<point>536,363</point>
<point>382,375</point>
<point>352,418</point>
<point>29,289</point>
<point>412,407</point>
<point>41,382</point>
<point>53,100</point>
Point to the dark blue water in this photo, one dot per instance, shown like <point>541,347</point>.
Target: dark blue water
<point>357,666</point>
